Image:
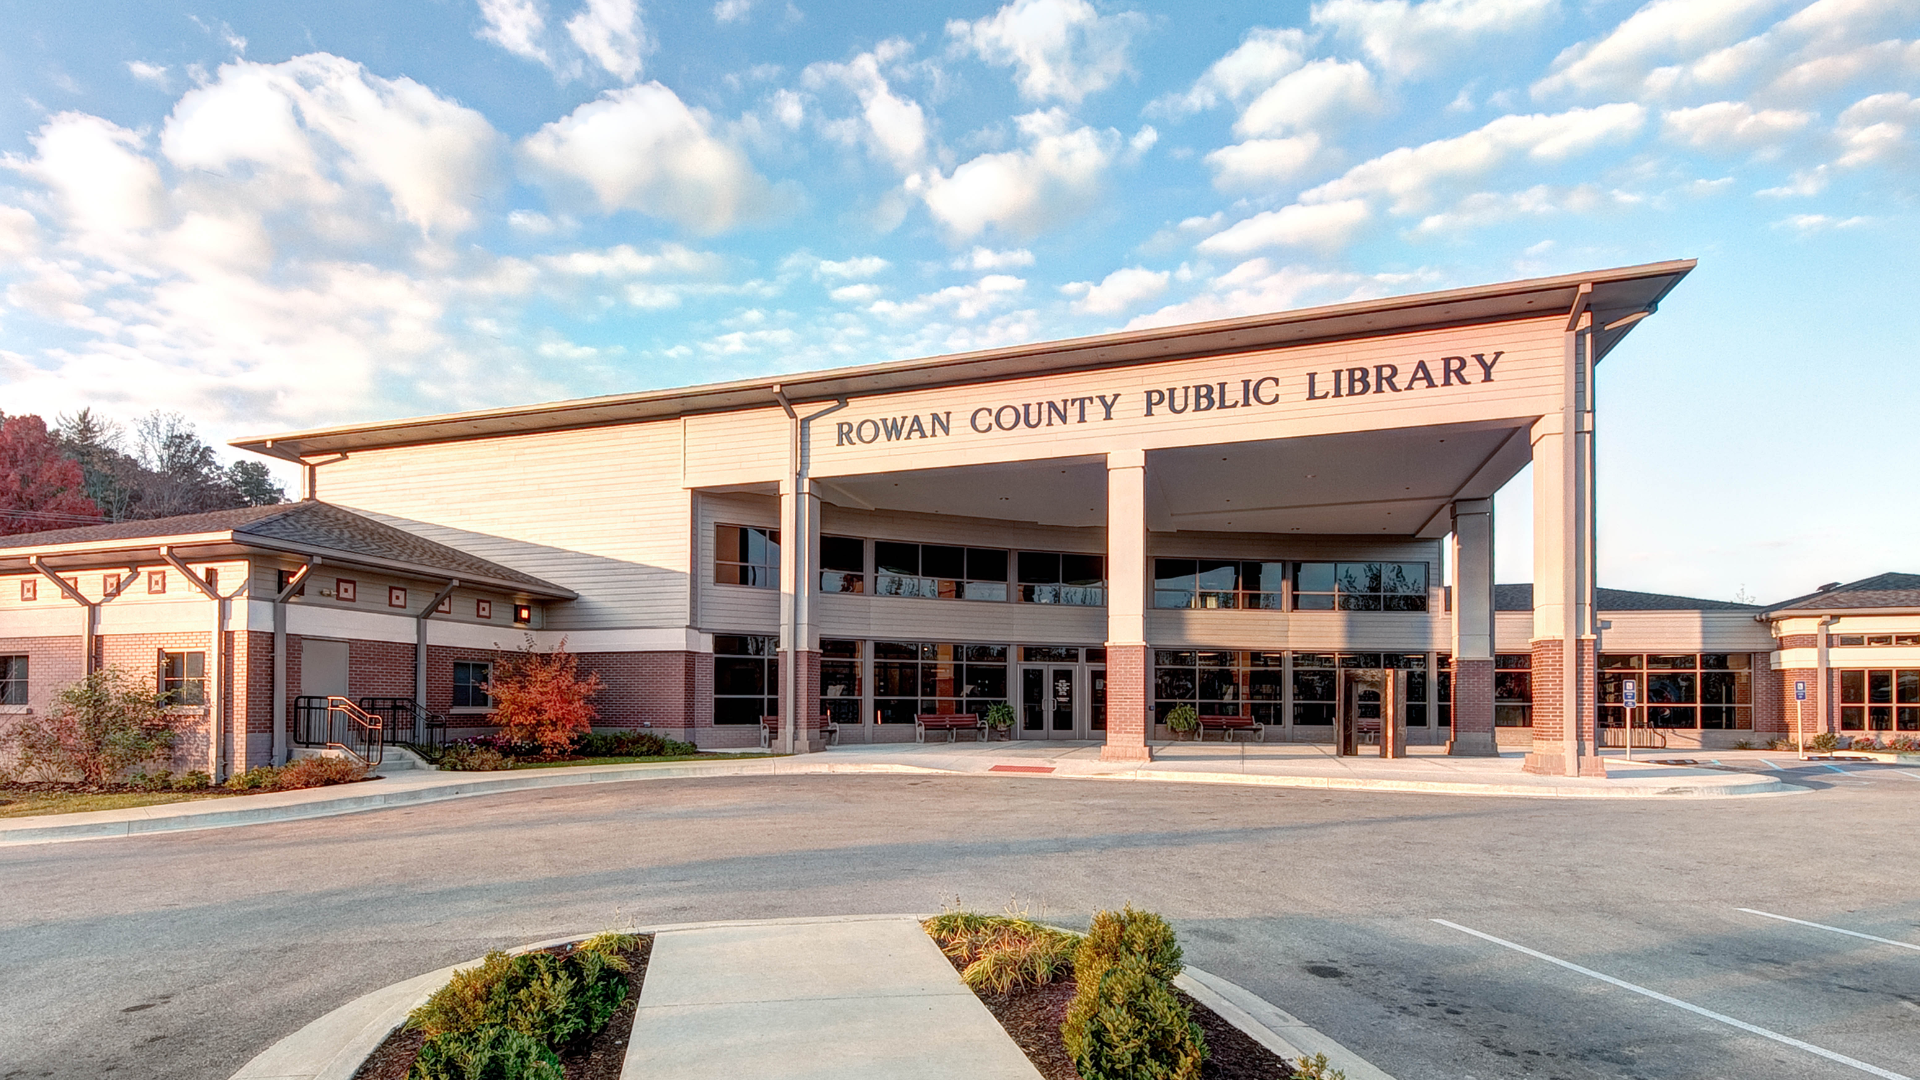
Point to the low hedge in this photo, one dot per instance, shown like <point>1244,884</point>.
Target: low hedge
<point>1125,1021</point>
<point>487,753</point>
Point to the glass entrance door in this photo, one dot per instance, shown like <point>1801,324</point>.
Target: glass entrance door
<point>1049,702</point>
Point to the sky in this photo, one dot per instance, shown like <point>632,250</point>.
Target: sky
<point>271,216</point>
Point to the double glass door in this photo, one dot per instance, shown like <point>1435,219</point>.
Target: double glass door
<point>1062,701</point>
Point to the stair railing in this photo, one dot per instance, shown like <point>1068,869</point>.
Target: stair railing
<point>407,722</point>
<point>356,731</point>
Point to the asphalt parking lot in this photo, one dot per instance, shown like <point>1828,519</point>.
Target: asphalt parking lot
<point>1439,936</point>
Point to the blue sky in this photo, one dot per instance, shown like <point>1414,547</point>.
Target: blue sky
<point>270,215</point>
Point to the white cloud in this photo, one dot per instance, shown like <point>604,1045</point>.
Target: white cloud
<point>1807,224</point>
<point>611,34</point>
<point>641,148</point>
<point>894,128</point>
<point>958,301</point>
<point>516,26</point>
<point>981,258</point>
<point>1056,175</point>
<point>1409,176</point>
<point>1485,208</point>
<point>732,11</point>
<point>1261,58</point>
<point>1732,126</point>
<point>862,266</point>
<point>1660,34</point>
<point>1258,164</point>
<point>1325,226</point>
<point>627,261</point>
<point>1258,286</point>
<point>863,293</point>
<point>19,233</point>
<point>102,180</point>
<point>1119,291</point>
<point>433,156</point>
<point>1874,128</point>
<point>1410,39</point>
<point>1308,97</point>
<point>148,73</point>
<point>1064,49</point>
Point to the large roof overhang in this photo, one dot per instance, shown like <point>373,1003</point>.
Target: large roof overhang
<point>1614,296</point>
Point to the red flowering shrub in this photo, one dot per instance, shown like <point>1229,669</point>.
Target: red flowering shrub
<point>539,697</point>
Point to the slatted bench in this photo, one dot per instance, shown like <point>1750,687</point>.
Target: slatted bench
<point>949,723</point>
<point>770,730</point>
<point>1228,726</point>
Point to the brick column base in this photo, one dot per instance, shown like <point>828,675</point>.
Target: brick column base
<point>1549,757</point>
<point>808,735</point>
<point>1127,704</point>
<point>1472,710</point>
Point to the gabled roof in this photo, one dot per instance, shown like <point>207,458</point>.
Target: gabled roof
<point>300,528</point>
<point>1880,592</point>
<point>1615,296</point>
<point>1520,598</point>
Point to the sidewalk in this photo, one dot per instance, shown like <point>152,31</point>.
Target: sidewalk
<point>1428,770</point>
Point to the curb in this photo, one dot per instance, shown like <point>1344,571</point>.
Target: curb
<point>337,1044</point>
<point>319,802</point>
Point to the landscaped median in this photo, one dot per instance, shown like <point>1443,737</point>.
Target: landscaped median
<point>853,996</point>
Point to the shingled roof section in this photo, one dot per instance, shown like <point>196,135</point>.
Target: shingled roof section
<point>310,524</point>
<point>1520,598</point>
<point>1879,591</point>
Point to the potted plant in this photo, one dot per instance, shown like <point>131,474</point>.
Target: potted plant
<point>999,720</point>
<point>1182,720</point>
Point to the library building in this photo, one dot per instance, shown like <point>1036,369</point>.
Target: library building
<point>1284,521</point>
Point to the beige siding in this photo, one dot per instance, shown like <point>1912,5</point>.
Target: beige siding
<point>600,511</point>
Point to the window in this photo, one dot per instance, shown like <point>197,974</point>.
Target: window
<point>1219,682</point>
<point>1513,690</point>
<point>1048,577</point>
<point>1316,689</point>
<point>1413,684</point>
<point>1443,689</point>
<point>212,577</point>
<point>1711,691</point>
<point>13,680</point>
<point>1849,640</point>
<point>483,609</point>
<point>843,564</point>
<point>746,678</point>
<point>156,582</point>
<point>939,572</point>
<point>1882,700</point>
<point>840,681</point>
<point>523,614</point>
<point>396,596</point>
<point>346,590</point>
<point>470,679</point>
<point>29,590</point>
<point>746,556</point>
<point>1360,586</point>
<point>1218,583</point>
<point>913,677</point>
<point>183,677</point>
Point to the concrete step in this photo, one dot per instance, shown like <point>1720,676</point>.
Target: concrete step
<point>395,759</point>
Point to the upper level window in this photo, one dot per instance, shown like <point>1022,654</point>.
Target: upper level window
<point>13,680</point>
<point>470,684</point>
<point>1360,586</point>
<point>743,555</point>
<point>183,677</point>
<point>843,564</point>
<point>1218,583</point>
<point>1048,577</point>
<point>939,572</point>
<point>1874,639</point>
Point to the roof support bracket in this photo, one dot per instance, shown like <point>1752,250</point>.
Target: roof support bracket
<point>438,598</point>
<point>59,582</point>
<point>200,583</point>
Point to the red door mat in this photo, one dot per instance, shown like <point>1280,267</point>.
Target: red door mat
<point>1021,768</point>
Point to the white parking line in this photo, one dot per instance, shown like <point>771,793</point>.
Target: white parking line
<point>1835,768</point>
<point>1908,773</point>
<point>1886,1074</point>
<point>1835,929</point>
<point>1770,764</point>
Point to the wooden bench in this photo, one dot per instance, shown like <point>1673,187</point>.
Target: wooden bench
<point>770,730</point>
<point>1228,725</point>
<point>949,723</point>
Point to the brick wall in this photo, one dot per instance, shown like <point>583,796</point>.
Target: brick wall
<point>1127,674</point>
<point>1473,704</point>
<point>1549,724</point>
<point>52,663</point>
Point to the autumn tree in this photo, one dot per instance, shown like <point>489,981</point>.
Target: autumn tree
<point>539,697</point>
<point>40,488</point>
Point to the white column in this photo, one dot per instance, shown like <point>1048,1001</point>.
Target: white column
<point>799,588</point>
<point>1473,641</point>
<point>1563,568</point>
<point>1129,705</point>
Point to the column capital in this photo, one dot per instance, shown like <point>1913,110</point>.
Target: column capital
<point>1472,506</point>
<point>1126,459</point>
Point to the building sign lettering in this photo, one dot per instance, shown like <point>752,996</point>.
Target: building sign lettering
<point>1174,400</point>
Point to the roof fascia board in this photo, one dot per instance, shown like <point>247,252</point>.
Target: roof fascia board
<point>374,562</point>
<point>1808,613</point>
<point>131,543</point>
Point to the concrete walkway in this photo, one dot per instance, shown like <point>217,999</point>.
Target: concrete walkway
<point>1428,770</point>
<point>826,1000</point>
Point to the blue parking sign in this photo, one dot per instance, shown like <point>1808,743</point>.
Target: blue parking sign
<point>1800,690</point>
<point>1630,694</point>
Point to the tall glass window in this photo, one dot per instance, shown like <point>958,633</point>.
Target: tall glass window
<point>840,682</point>
<point>843,564</point>
<point>1710,691</point>
<point>1050,577</point>
<point>1513,690</point>
<point>743,555</point>
<point>938,571</point>
<point>1316,689</point>
<point>1443,689</point>
<point>1360,586</point>
<point>746,678</point>
<point>1880,700</point>
<point>913,677</point>
<point>1218,583</point>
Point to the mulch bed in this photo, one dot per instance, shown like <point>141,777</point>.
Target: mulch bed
<point>597,1058</point>
<point>1032,1016</point>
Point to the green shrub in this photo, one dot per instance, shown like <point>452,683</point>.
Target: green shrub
<point>1001,952</point>
<point>1130,1025</point>
<point>1000,716</point>
<point>311,772</point>
<point>630,744</point>
<point>261,778</point>
<point>493,1052</point>
<point>1116,935</point>
<point>1182,718</point>
<point>553,998</point>
<point>1316,1068</point>
<point>1743,744</point>
<point>98,728</point>
<point>466,1002</point>
<point>196,780</point>
<point>469,758</point>
<point>1825,742</point>
<point>152,781</point>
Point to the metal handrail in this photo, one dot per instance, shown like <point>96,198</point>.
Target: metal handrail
<point>336,722</point>
<point>404,717</point>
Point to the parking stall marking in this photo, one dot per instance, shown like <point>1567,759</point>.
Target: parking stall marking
<point>1906,773</point>
<point>1835,929</point>
<point>1830,1055</point>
